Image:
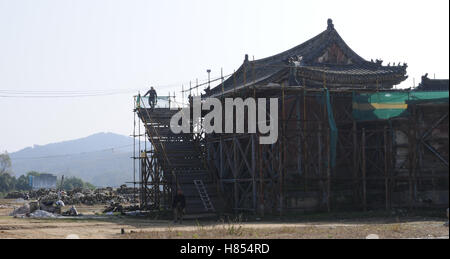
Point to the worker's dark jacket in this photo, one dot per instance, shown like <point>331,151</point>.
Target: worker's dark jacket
<point>179,199</point>
<point>152,94</point>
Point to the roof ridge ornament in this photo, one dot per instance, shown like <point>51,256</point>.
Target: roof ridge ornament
<point>246,58</point>
<point>379,62</point>
<point>296,61</point>
<point>330,24</point>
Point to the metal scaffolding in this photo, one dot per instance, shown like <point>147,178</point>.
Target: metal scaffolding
<point>296,173</point>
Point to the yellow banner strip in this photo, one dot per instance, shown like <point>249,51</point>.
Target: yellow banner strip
<point>374,106</point>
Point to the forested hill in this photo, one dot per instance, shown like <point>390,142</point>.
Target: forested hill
<point>102,159</point>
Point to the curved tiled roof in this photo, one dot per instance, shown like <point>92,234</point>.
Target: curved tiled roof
<point>428,84</point>
<point>310,51</point>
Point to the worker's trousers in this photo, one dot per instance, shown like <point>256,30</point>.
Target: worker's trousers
<point>152,102</point>
<point>178,213</point>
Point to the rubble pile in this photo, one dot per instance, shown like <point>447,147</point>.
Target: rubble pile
<point>50,203</point>
<point>114,207</point>
<point>71,212</point>
<point>25,209</point>
<point>15,195</point>
<point>101,196</point>
<point>42,214</point>
<point>117,207</point>
<point>36,194</point>
<point>124,190</point>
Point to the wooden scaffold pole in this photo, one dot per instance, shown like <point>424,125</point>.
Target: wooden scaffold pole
<point>363,153</point>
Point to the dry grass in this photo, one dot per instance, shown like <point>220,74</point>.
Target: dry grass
<point>357,231</point>
<point>144,228</point>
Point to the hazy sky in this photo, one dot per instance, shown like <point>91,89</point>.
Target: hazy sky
<point>86,45</point>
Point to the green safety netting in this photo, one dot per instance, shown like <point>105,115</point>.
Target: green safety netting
<point>325,100</point>
<point>333,130</point>
<point>387,105</point>
<point>145,99</point>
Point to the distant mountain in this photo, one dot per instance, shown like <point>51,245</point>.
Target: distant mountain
<point>102,159</point>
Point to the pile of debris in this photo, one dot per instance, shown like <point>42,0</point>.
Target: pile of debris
<point>102,196</point>
<point>42,214</point>
<point>72,212</point>
<point>46,203</point>
<point>117,207</point>
<point>124,190</point>
<point>46,207</point>
<point>15,195</point>
<point>25,209</point>
<point>37,209</point>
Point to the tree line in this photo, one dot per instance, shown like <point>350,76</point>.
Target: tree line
<point>9,183</point>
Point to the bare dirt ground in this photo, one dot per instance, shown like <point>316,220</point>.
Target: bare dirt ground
<point>110,227</point>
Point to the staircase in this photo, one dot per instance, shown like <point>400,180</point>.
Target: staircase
<point>181,161</point>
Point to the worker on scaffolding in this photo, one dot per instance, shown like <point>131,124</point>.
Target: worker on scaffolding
<point>179,205</point>
<point>152,97</point>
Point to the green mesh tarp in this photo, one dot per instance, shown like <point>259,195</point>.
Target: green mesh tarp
<point>333,130</point>
<point>324,99</point>
<point>140,99</point>
<point>387,105</point>
<point>428,96</point>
